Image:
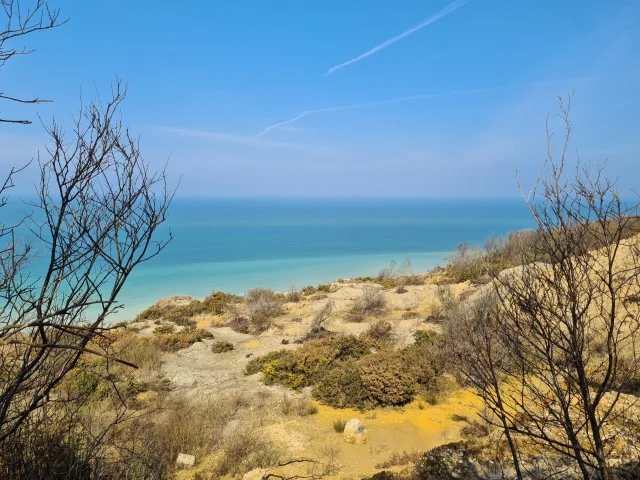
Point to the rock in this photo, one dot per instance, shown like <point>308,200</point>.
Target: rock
<point>255,474</point>
<point>185,460</point>
<point>356,432</point>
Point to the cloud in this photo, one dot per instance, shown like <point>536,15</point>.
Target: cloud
<point>442,13</point>
<point>243,140</point>
<point>428,96</point>
<point>390,101</point>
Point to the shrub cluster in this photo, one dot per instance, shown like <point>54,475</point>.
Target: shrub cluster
<point>344,371</point>
<point>214,304</point>
<point>169,340</point>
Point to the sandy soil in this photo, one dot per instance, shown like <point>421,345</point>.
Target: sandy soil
<point>419,426</point>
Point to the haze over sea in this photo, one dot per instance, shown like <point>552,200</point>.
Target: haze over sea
<point>237,244</point>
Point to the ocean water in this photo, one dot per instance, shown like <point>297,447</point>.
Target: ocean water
<point>237,244</point>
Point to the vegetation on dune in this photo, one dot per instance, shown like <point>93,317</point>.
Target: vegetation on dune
<point>167,339</point>
<point>344,372</point>
<point>214,304</point>
<point>221,347</point>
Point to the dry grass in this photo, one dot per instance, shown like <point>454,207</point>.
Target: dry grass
<point>339,425</point>
<point>397,459</point>
<point>371,302</point>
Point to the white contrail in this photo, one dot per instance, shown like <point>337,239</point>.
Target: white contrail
<point>306,113</point>
<point>445,11</point>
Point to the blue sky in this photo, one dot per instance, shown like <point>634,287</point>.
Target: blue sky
<point>453,107</point>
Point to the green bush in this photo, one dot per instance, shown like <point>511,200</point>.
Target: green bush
<point>310,363</point>
<point>221,347</point>
<point>164,329</point>
<point>257,364</point>
<point>386,379</point>
<point>213,304</point>
<point>172,342</point>
<point>339,424</point>
<point>344,373</point>
<point>341,387</point>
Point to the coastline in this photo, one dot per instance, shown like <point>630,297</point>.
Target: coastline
<point>281,275</point>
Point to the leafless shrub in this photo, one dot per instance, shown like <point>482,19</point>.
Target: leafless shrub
<point>557,331</point>
<point>388,273</point>
<point>320,317</point>
<point>236,321</point>
<point>294,295</point>
<point>95,219</point>
<point>19,19</point>
<point>371,302</point>
<point>263,307</point>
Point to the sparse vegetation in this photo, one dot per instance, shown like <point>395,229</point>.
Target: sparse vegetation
<point>173,341</point>
<point>371,302</point>
<point>221,347</point>
<point>397,459</point>
<point>339,424</point>
<point>380,333</point>
<point>182,314</point>
<point>263,307</point>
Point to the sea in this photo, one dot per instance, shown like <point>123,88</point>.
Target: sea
<point>235,244</point>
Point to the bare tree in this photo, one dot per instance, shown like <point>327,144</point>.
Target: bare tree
<point>566,330</point>
<point>96,218</point>
<point>473,334</point>
<point>21,20</point>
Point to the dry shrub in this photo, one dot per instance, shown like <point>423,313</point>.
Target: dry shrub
<point>236,321</point>
<point>474,429</point>
<point>371,302</point>
<point>466,263</point>
<point>244,450</point>
<point>317,330</point>
<point>301,405</point>
<point>147,447</point>
<point>397,459</point>
<point>221,346</point>
<point>263,306</point>
<point>141,351</point>
<point>294,295</point>
<point>309,290</point>
<point>380,331</point>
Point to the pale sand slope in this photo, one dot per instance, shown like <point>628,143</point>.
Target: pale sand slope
<point>420,426</point>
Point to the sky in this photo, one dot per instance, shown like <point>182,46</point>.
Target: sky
<point>429,98</point>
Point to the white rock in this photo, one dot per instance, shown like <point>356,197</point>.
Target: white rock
<point>255,474</point>
<point>186,460</point>
<point>356,432</point>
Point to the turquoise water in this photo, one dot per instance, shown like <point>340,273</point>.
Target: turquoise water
<point>237,244</point>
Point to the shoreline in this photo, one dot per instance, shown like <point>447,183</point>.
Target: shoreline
<point>280,276</point>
